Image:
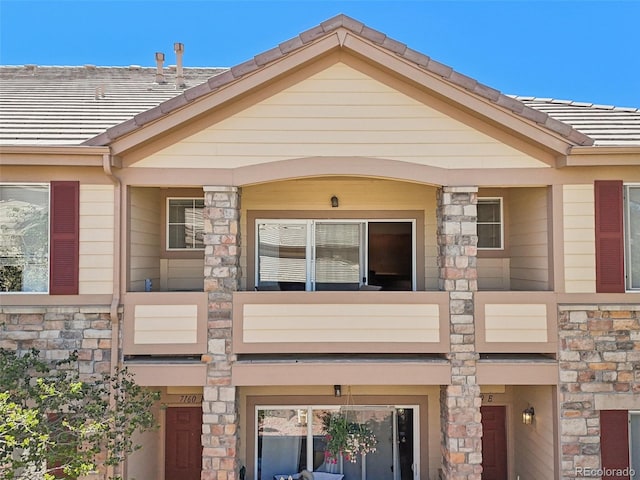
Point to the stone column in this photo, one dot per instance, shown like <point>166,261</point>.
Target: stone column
<point>221,279</point>
<point>461,427</point>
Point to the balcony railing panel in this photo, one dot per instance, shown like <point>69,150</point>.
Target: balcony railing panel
<point>340,322</point>
<point>516,322</point>
<point>165,323</point>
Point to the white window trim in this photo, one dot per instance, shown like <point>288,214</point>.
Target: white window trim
<point>167,223</point>
<point>37,184</point>
<point>501,201</point>
<point>310,247</point>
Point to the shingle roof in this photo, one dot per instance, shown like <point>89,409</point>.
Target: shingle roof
<point>68,105</point>
<point>94,105</point>
<point>606,124</point>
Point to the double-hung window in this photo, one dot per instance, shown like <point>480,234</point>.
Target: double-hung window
<point>39,238</point>
<point>335,254</point>
<point>185,224</point>
<point>490,223</point>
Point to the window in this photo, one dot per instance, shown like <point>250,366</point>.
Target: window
<point>632,235</point>
<point>335,254</point>
<point>24,238</point>
<point>490,224</point>
<point>39,238</point>
<point>292,438</point>
<point>185,224</point>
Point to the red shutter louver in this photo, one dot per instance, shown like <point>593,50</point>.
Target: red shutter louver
<point>609,237</point>
<point>614,443</point>
<point>65,238</point>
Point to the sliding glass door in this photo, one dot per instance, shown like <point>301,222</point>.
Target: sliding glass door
<point>290,439</point>
<point>335,254</point>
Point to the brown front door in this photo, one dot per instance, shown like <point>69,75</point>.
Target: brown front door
<point>494,443</point>
<point>183,446</point>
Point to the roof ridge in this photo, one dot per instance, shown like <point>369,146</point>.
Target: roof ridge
<point>378,38</point>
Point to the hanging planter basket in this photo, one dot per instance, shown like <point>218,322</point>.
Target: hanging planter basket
<point>346,438</point>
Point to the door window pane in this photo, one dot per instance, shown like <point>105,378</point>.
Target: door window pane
<point>282,435</point>
<point>337,256</point>
<point>282,256</point>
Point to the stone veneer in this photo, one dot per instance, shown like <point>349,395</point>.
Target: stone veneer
<point>599,369</point>
<point>221,279</point>
<point>460,402</point>
<point>58,331</point>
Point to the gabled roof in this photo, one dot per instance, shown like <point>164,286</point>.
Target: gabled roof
<point>99,105</point>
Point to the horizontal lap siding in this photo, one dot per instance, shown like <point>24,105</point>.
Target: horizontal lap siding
<point>579,239</point>
<point>165,324</point>
<point>529,239</point>
<point>516,323</point>
<point>145,231</point>
<point>493,273</point>
<point>341,323</point>
<point>339,112</point>
<point>96,239</point>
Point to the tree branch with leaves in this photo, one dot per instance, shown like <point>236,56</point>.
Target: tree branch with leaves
<point>55,424</point>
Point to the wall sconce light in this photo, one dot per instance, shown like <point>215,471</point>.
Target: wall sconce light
<point>527,415</point>
<point>337,390</point>
<point>335,202</point>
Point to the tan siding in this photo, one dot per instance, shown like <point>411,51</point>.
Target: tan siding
<point>341,323</point>
<point>96,239</point>
<point>339,112</point>
<point>145,231</point>
<point>493,273</point>
<point>432,272</point>
<point>165,324</point>
<point>529,239</point>
<point>579,238</point>
<point>534,444</point>
<point>185,274</point>
<point>516,323</point>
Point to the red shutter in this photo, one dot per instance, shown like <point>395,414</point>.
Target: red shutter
<point>609,237</point>
<point>614,443</point>
<point>65,238</point>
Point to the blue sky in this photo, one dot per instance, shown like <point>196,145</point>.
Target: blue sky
<point>584,50</point>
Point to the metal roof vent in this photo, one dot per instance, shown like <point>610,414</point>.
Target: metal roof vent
<point>179,49</point>
<point>159,71</point>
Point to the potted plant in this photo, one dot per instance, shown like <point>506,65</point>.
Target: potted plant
<point>346,438</point>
